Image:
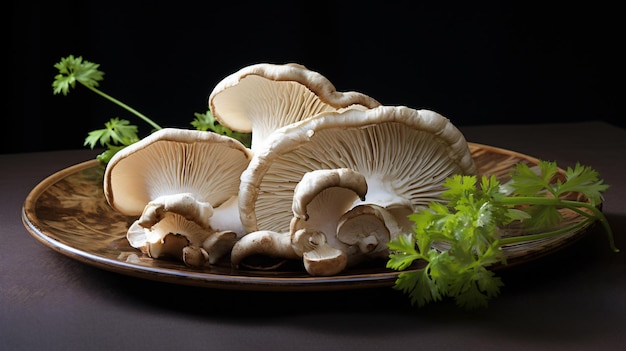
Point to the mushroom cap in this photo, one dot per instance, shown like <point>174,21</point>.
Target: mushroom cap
<point>166,238</point>
<point>335,184</point>
<point>405,155</point>
<point>263,97</point>
<point>319,257</point>
<point>172,161</point>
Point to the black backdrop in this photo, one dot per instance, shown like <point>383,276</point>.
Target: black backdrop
<point>485,63</point>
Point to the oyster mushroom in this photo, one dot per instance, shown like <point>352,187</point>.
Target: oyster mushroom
<point>404,155</point>
<point>183,185</point>
<point>263,97</point>
<point>319,200</point>
<point>319,257</point>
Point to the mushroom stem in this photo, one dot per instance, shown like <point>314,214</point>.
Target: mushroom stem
<point>264,242</point>
<point>218,244</point>
<point>368,243</point>
<point>368,227</point>
<point>226,217</point>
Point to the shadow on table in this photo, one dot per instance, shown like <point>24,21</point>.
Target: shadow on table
<point>563,295</point>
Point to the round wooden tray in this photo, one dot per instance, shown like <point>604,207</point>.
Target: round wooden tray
<point>68,213</point>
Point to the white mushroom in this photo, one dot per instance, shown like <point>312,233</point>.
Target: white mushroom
<point>263,97</point>
<point>183,185</point>
<point>404,155</point>
<point>319,200</point>
<point>315,182</point>
<point>319,257</point>
<point>265,243</point>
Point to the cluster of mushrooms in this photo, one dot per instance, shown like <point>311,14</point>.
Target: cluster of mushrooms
<point>329,179</point>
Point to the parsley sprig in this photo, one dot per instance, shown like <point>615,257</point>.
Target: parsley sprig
<point>75,69</point>
<point>469,221</point>
<point>119,133</point>
<point>206,122</point>
<point>116,135</point>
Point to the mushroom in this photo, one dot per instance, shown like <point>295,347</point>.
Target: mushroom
<point>319,200</point>
<point>404,156</point>
<point>183,185</point>
<point>319,257</point>
<point>263,97</point>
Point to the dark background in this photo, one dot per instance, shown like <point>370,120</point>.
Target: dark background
<point>485,63</point>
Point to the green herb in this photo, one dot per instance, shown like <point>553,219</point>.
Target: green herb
<point>468,223</point>
<point>206,122</point>
<point>119,133</point>
<point>74,69</point>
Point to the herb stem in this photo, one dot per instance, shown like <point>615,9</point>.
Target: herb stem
<point>544,235</point>
<point>572,205</point>
<point>123,105</point>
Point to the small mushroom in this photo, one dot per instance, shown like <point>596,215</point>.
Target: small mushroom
<point>319,257</point>
<point>319,199</point>
<point>183,204</point>
<point>183,185</point>
<point>263,97</point>
<point>264,243</point>
<point>327,231</point>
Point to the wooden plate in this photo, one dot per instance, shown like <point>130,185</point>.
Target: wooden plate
<point>68,213</point>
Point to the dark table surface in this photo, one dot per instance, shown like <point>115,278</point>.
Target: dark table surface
<point>574,299</point>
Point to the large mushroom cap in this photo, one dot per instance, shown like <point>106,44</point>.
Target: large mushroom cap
<point>175,161</point>
<point>405,155</point>
<point>263,97</point>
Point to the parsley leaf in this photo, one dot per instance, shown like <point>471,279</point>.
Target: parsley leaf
<point>117,134</point>
<point>116,131</point>
<point>458,238</point>
<point>206,122</point>
<point>584,180</point>
<point>74,69</point>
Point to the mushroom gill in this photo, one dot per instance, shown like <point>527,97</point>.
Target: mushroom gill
<point>404,154</point>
